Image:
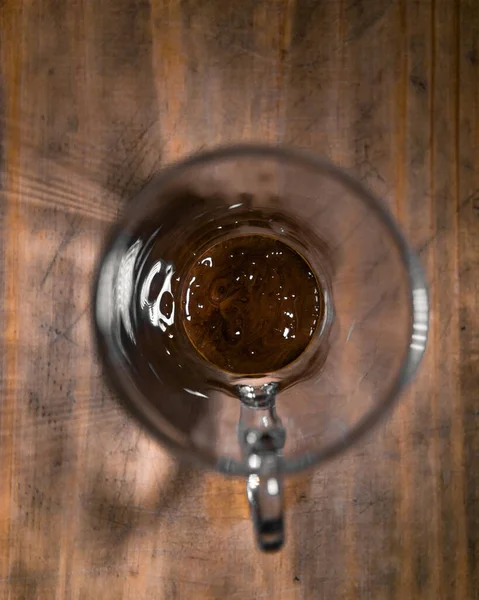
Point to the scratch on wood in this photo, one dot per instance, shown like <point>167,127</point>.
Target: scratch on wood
<point>67,238</point>
<point>68,329</point>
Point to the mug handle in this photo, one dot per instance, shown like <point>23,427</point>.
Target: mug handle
<point>261,436</point>
<point>265,497</point>
<point>264,487</point>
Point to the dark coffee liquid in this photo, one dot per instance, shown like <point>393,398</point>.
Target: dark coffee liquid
<point>251,305</point>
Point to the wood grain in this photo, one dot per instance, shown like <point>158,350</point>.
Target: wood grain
<point>94,99</point>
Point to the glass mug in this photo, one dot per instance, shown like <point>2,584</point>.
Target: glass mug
<point>366,346</point>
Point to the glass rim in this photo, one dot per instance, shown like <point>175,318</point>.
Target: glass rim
<point>418,298</point>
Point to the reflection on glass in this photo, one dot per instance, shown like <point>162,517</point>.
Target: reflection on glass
<point>158,309</point>
<point>126,284</point>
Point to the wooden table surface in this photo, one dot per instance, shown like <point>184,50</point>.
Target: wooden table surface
<point>95,97</point>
